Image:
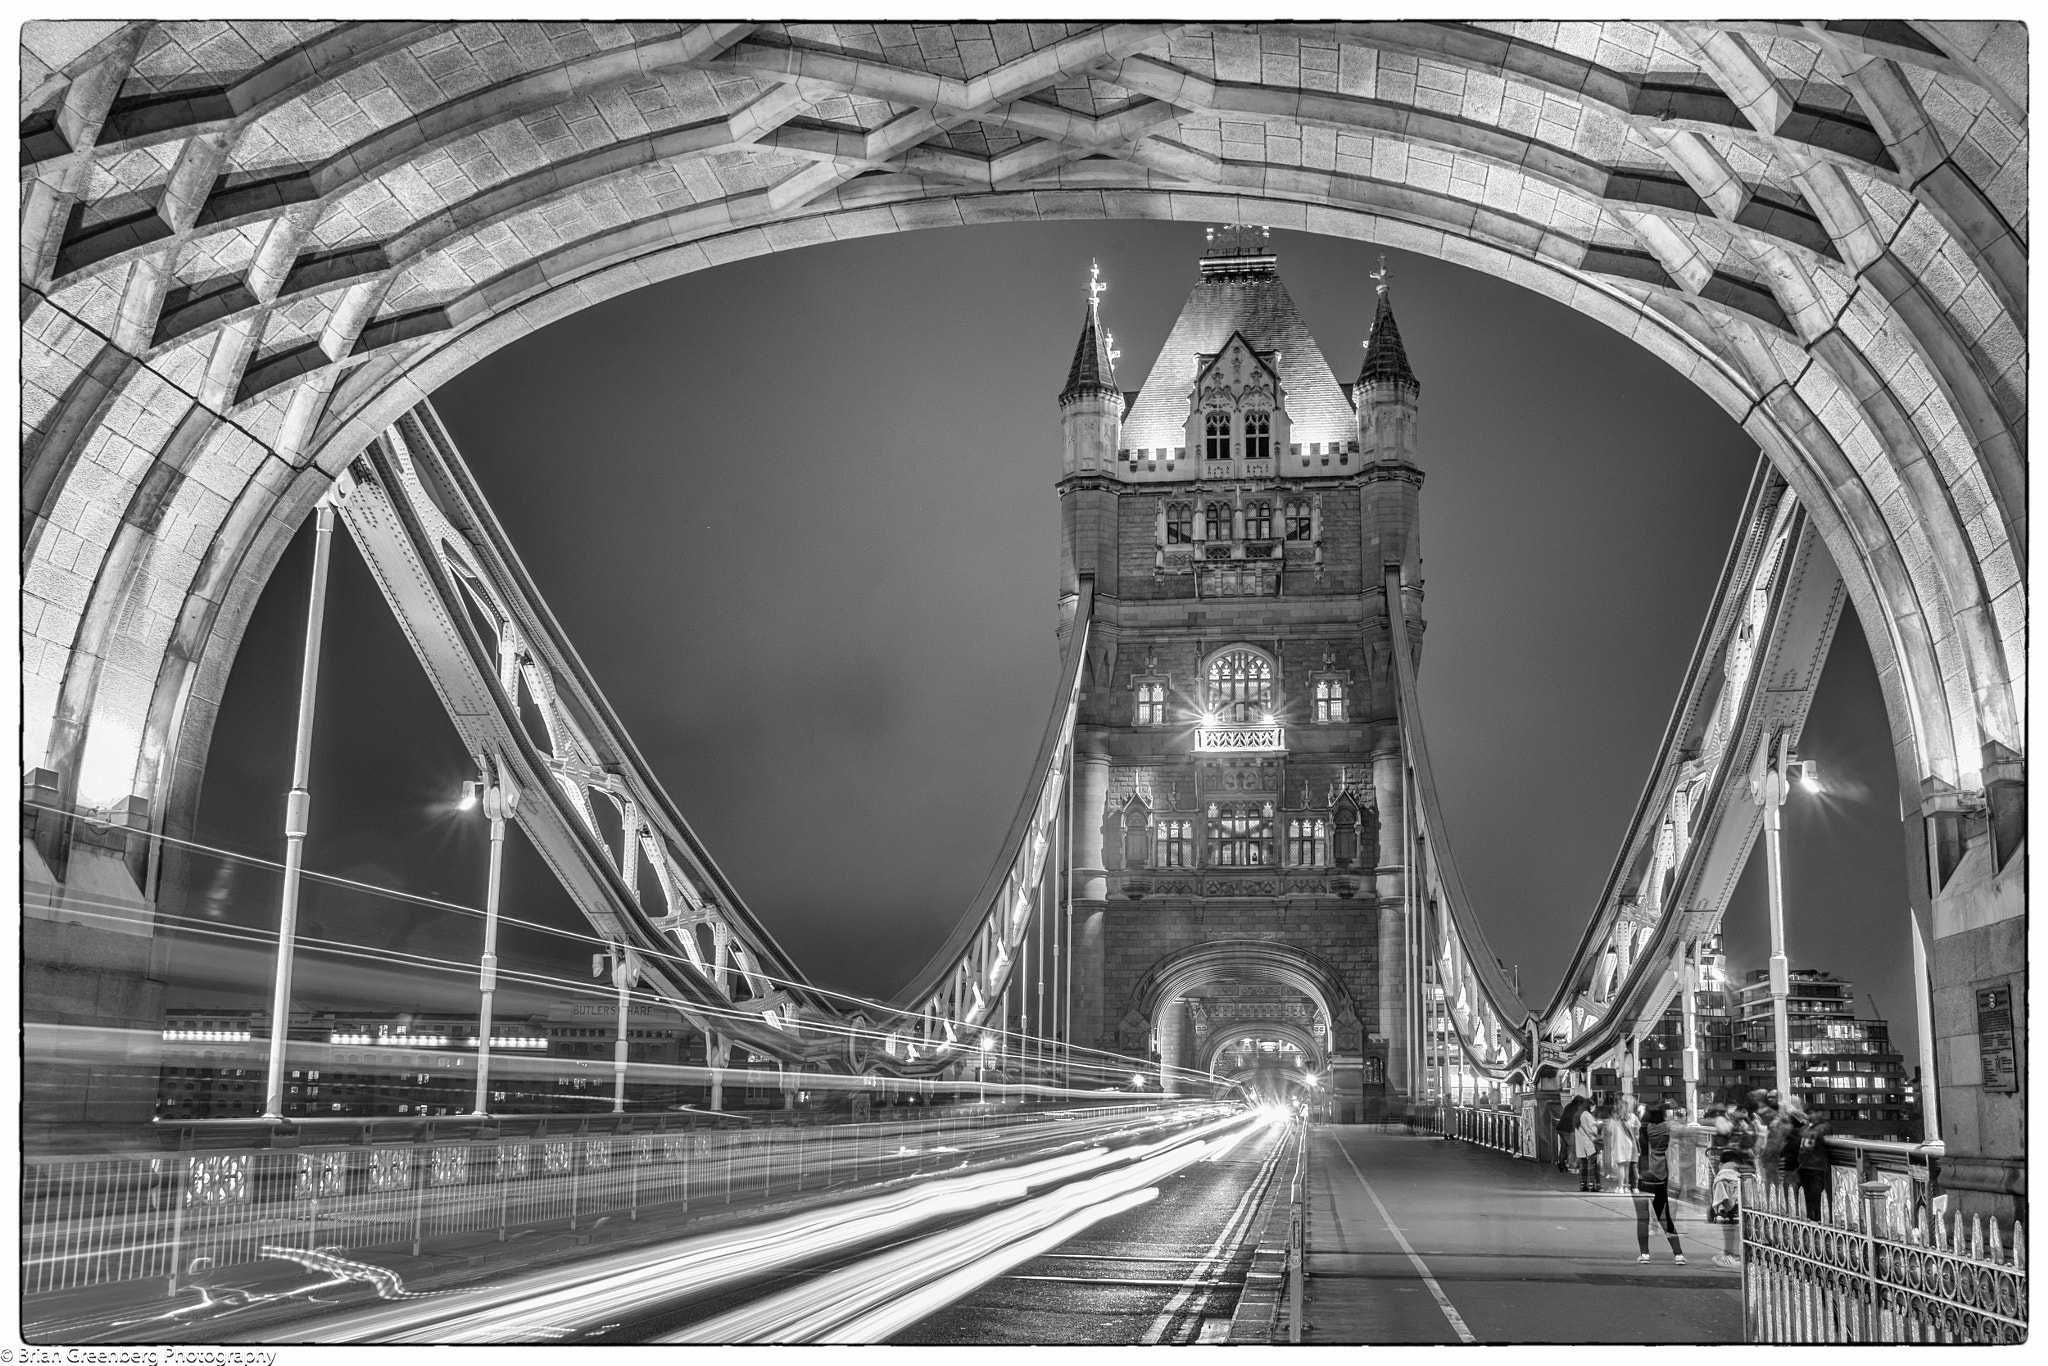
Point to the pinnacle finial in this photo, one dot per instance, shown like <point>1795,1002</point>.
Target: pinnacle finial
<point>1383,276</point>
<point>1096,289</point>
<point>1109,346</point>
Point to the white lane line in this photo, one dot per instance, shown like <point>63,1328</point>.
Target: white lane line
<point>1443,1301</point>
<point>1212,1262</point>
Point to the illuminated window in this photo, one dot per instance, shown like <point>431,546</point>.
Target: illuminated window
<point>1151,704</point>
<point>1240,834</point>
<point>1216,434</point>
<point>1174,843</point>
<point>1299,521</point>
<point>1258,521</point>
<point>1329,699</point>
<point>1216,522</point>
<point>1240,686</point>
<point>1308,843</point>
<point>1180,524</point>
<point>1258,436</point>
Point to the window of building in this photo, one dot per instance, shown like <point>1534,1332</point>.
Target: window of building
<point>1216,522</point>
<point>1258,436</point>
<point>1329,699</point>
<point>1180,524</point>
<point>1151,704</point>
<point>1258,521</point>
<point>1216,435</point>
<point>1308,843</point>
<point>1299,521</point>
<point>1240,686</point>
<point>1174,843</point>
<point>1240,834</point>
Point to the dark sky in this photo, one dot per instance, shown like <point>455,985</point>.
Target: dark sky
<point>798,516</point>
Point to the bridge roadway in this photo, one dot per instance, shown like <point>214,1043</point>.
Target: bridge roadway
<point>1419,1239</point>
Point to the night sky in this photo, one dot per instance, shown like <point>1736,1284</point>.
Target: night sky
<point>798,516</point>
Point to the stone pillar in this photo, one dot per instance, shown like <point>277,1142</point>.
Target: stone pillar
<point>1089,890</point>
<point>1173,1017</point>
<point>1393,1023</point>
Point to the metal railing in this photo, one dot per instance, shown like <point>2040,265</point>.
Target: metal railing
<point>101,1220</point>
<point>1862,1274</point>
<point>1297,1236</point>
<point>1500,1130</point>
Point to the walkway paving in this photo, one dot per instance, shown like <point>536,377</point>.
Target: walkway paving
<point>1414,1239</point>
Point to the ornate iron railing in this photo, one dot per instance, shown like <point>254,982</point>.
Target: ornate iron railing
<point>1863,1274</point>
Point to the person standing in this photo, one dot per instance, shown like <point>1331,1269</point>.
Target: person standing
<point>1653,1186</point>
<point>1810,1162</point>
<point>1621,1147</point>
<point>1586,1148</point>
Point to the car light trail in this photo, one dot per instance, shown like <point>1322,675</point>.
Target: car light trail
<point>642,1281</point>
<point>963,1258</point>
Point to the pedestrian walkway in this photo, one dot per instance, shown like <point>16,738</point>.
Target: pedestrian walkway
<point>1417,1239</point>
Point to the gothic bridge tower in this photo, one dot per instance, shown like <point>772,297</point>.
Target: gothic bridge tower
<point>1238,872</point>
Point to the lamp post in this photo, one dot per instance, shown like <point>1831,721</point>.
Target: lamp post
<point>499,796</point>
<point>1771,776</point>
<point>296,808</point>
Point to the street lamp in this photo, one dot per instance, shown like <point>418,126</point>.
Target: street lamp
<point>499,796</point>
<point>1771,776</point>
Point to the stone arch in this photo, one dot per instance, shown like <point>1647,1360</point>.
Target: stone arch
<point>195,377</point>
<point>1225,960</point>
<point>1311,1047</point>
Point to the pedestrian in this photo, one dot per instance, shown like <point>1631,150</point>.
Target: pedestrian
<point>1653,1186</point>
<point>1586,1148</point>
<point>1778,1160</point>
<point>1620,1141</point>
<point>1567,1126</point>
<point>1810,1163</point>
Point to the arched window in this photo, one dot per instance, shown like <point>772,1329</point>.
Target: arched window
<point>1329,699</point>
<point>1299,521</point>
<point>1258,436</point>
<point>1174,843</point>
<point>1151,704</point>
<point>1180,523</point>
<point>1308,843</point>
<point>1240,686</point>
<point>1216,522</point>
<point>1216,432</point>
<point>1240,834</point>
<point>1258,521</point>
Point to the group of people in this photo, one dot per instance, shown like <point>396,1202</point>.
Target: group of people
<point>1628,1148</point>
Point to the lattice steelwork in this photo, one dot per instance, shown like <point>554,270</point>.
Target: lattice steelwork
<point>1774,615</point>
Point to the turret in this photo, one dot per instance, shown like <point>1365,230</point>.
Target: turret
<point>1091,423</point>
<point>1091,406</point>
<point>1387,392</point>
<point>1388,398</point>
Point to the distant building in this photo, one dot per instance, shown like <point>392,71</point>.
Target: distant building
<point>1844,1068</point>
<point>405,1064</point>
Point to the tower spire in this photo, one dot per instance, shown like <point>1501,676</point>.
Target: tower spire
<point>1094,367</point>
<point>1386,359</point>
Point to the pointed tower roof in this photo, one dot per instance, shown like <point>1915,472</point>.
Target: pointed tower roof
<point>1093,370</point>
<point>1239,292</point>
<point>1386,360</point>
<point>1094,367</point>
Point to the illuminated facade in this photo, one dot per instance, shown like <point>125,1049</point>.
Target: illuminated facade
<point>1240,768</point>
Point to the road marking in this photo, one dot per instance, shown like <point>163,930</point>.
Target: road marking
<point>1443,1301</point>
<point>1210,1265</point>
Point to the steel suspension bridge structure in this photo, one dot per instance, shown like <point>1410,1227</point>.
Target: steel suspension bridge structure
<point>250,252</point>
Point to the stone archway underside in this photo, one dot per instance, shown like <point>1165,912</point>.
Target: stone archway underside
<point>247,247</point>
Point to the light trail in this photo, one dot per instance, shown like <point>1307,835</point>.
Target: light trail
<point>637,1283</point>
<point>870,1300</point>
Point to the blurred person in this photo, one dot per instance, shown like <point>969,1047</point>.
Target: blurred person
<point>1618,1137</point>
<point>1586,1148</point>
<point>1653,1186</point>
<point>1809,1147</point>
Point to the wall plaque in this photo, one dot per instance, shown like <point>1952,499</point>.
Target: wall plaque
<point>1995,1043</point>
